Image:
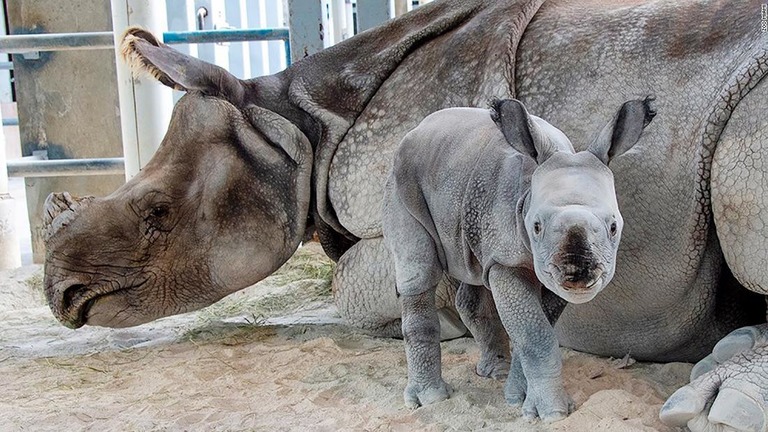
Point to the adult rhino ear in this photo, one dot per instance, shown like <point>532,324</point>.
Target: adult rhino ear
<point>520,131</point>
<point>280,133</point>
<point>145,54</point>
<point>624,130</point>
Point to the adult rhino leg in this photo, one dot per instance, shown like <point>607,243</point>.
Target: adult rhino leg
<point>334,243</point>
<point>729,388</point>
<point>478,312</point>
<point>364,288</point>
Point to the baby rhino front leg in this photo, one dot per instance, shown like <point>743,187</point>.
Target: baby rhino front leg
<point>421,333</point>
<point>535,346</point>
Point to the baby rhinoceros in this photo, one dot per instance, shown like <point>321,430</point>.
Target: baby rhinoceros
<point>501,202</point>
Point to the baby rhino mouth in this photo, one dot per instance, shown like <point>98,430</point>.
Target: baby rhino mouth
<point>578,273</point>
<point>577,280</point>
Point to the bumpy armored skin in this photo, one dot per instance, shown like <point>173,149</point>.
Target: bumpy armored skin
<point>322,135</point>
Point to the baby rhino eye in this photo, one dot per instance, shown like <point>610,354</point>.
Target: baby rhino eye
<point>536,228</point>
<point>613,228</point>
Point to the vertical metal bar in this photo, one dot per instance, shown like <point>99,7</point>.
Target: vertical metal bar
<point>10,249</point>
<point>339,21</point>
<point>242,6</point>
<point>266,67</point>
<point>326,24</point>
<point>145,104</point>
<point>287,46</point>
<point>305,22</point>
<point>5,76</point>
<point>220,50</point>
<point>401,7</point>
<point>281,19</point>
<point>349,18</point>
<point>371,13</point>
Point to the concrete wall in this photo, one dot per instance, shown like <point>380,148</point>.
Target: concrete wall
<point>67,101</point>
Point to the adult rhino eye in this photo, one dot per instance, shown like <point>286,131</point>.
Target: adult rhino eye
<point>158,212</point>
<point>536,228</point>
<point>613,228</point>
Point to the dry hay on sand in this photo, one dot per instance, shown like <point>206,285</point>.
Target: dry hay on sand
<point>273,357</point>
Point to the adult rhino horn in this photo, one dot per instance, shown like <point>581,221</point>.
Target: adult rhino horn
<point>146,55</point>
<point>59,210</point>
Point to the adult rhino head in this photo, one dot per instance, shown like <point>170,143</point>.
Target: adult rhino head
<point>238,181</point>
<point>223,203</point>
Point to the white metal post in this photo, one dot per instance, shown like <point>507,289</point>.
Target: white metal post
<point>400,7</point>
<point>305,21</point>
<point>218,15</point>
<point>340,32</point>
<point>371,13</point>
<point>325,6</point>
<point>349,14</point>
<point>145,104</point>
<point>5,76</point>
<point>10,251</point>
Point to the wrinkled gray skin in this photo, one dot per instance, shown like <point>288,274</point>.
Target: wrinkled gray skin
<point>692,196</point>
<point>507,209</point>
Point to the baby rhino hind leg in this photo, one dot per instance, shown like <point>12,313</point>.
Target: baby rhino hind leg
<point>418,272</point>
<point>365,294</point>
<point>477,310</point>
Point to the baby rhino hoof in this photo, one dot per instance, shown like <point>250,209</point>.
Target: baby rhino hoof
<point>416,396</point>
<point>493,366</point>
<point>548,411</point>
<point>548,403</point>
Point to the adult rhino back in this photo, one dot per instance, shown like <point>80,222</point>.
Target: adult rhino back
<point>469,66</point>
<point>671,283</point>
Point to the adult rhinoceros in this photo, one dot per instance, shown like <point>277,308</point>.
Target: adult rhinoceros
<point>247,168</point>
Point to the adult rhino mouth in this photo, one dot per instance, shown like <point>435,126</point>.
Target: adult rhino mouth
<point>71,301</point>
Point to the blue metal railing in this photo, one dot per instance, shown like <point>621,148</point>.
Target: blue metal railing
<point>26,43</point>
<point>231,35</point>
<point>18,44</point>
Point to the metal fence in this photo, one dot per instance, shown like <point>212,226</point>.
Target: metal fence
<point>340,19</point>
<point>31,45</point>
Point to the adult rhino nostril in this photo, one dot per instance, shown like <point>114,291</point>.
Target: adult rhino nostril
<point>70,295</point>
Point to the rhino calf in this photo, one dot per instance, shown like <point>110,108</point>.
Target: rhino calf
<point>500,201</point>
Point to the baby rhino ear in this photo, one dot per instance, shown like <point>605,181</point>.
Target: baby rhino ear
<point>519,129</point>
<point>624,130</point>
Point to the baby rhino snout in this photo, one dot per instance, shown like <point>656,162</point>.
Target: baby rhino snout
<point>576,262</point>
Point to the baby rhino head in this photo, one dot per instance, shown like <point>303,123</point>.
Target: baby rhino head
<point>571,217</point>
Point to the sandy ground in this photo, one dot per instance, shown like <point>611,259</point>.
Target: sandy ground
<point>273,357</point>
